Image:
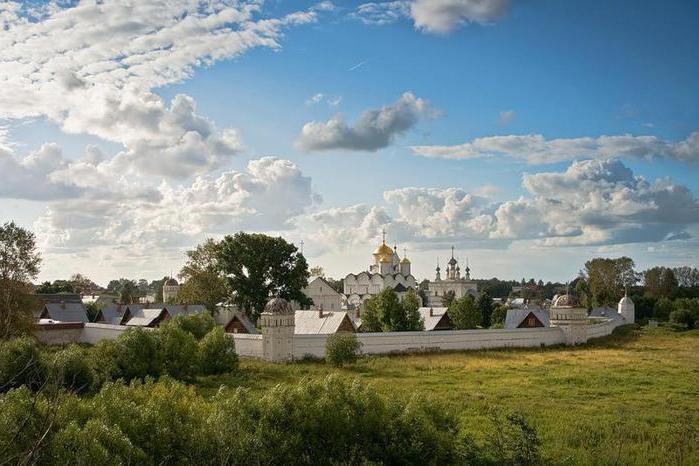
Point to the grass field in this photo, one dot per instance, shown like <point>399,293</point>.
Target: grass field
<point>632,398</point>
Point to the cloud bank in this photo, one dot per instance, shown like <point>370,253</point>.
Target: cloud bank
<point>536,149</point>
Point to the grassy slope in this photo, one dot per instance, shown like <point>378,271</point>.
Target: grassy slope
<point>625,399</point>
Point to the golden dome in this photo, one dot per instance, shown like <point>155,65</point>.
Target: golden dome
<point>405,261</point>
<point>383,250</point>
<point>385,259</point>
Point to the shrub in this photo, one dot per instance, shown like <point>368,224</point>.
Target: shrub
<point>178,350</point>
<point>72,370</point>
<point>342,348</point>
<point>94,443</point>
<point>683,317</point>
<point>140,354</point>
<point>20,364</point>
<point>105,358</point>
<point>217,353</point>
<point>198,324</point>
<point>499,315</point>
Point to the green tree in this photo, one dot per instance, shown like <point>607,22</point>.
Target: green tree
<point>607,279</point>
<point>687,277</point>
<point>317,271</point>
<point>204,282</point>
<point>464,313</point>
<point>217,352</point>
<point>128,292</point>
<point>484,303</point>
<point>659,282</point>
<point>411,308</point>
<point>662,309</point>
<point>19,265</point>
<point>178,349</point>
<point>499,315</point>
<point>386,313</point>
<point>448,298</point>
<point>258,267</point>
<point>58,286</point>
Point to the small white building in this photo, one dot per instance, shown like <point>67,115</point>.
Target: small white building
<point>170,289</point>
<point>323,295</point>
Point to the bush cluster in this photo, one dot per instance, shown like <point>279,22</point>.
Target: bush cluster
<point>181,348</point>
<point>329,421</point>
<point>342,348</point>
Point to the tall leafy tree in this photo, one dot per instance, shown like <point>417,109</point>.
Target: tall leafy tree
<point>19,265</point>
<point>485,306</point>
<point>128,291</point>
<point>385,312</point>
<point>258,267</point>
<point>204,282</point>
<point>464,313</point>
<point>607,278</point>
<point>448,298</point>
<point>659,282</point>
<point>411,306</point>
<point>687,277</point>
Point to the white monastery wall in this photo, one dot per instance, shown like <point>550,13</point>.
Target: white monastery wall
<point>247,345</point>
<point>603,329</point>
<point>402,342</point>
<point>94,332</point>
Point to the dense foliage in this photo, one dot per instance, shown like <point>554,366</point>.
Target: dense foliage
<point>136,355</point>
<point>19,265</point>
<point>204,282</point>
<point>385,312</point>
<point>329,421</point>
<point>258,266</point>
<point>465,314</point>
<point>342,348</point>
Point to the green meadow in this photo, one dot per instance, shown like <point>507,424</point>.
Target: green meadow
<point>631,398</point>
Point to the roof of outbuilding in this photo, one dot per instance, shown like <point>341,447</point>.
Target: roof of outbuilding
<point>65,312</point>
<point>243,319</point>
<point>516,316</point>
<point>184,309</point>
<point>112,314</point>
<point>432,321</point>
<point>144,317</point>
<point>311,323</point>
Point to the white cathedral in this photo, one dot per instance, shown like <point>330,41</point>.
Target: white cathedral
<point>387,270</point>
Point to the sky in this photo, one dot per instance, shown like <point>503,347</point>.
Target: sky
<point>530,135</point>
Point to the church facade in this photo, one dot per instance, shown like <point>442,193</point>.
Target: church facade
<point>460,285</point>
<point>386,270</point>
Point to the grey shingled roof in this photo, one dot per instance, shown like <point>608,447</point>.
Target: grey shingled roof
<point>309,322</point>
<point>184,309</point>
<point>65,312</point>
<point>144,317</point>
<point>112,314</point>
<point>431,322</point>
<point>516,316</point>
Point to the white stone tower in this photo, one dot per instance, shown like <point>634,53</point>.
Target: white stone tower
<point>570,318</point>
<point>170,289</point>
<point>277,322</point>
<point>627,309</point>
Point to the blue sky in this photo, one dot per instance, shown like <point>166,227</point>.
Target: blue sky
<point>562,70</point>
